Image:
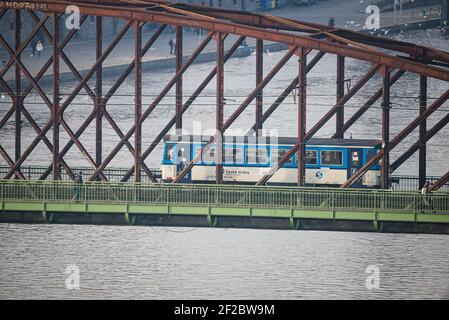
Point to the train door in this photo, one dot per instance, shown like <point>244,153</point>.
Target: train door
<point>182,158</point>
<point>355,157</point>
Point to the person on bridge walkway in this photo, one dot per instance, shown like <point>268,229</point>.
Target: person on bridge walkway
<point>33,45</point>
<point>78,185</point>
<point>172,45</point>
<point>426,199</point>
<point>39,48</point>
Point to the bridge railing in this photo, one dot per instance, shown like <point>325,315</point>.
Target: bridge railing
<point>228,196</point>
<point>32,172</point>
<point>402,182</point>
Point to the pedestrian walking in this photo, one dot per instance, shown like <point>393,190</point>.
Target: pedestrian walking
<point>445,30</point>
<point>33,47</point>
<point>425,192</point>
<point>39,48</point>
<point>171,43</point>
<point>331,22</point>
<point>78,185</point>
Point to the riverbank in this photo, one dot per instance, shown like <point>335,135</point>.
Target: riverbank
<point>349,14</point>
<point>158,57</point>
<point>398,28</point>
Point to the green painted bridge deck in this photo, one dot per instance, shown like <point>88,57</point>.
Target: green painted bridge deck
<point>223,206</point>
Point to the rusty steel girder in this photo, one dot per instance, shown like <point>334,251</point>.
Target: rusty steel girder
<point>390,57</point>
<point>355,44</point>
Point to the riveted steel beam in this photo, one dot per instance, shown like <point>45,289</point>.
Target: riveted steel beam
<point>321,122</point>
<point>399,137</point>
<point>189,101</point>
<point>302,112</point>
<point>153,105</point>
<point>238,111</point>
<point>219,25</point>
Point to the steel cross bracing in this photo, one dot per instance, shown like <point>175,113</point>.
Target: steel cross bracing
<point>389,58</point>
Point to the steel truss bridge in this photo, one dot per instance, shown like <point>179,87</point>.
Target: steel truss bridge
<point>308,42</point>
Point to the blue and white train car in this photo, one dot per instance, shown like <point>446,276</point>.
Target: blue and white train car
<point>329,162</point>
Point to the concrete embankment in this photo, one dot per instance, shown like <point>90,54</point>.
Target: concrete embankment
<point>158,64</point>
<point>397,28</point>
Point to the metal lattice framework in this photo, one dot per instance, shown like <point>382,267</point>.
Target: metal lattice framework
<point>391,58</point>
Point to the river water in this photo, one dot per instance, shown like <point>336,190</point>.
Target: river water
<point>130,262</point>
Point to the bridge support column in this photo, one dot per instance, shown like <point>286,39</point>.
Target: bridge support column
<point>56,100</point>
<point>259,79</point>
<point>302,111</point>
<point>219,107</point>
<point>340,116</point>
<point>385,168</point>
<point>179,53</point>
<point>18,99</point>
<point>422,131</point>
<point>138,101</point>
<point>99,94</point>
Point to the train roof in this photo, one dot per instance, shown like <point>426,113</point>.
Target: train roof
<point>279,140</point>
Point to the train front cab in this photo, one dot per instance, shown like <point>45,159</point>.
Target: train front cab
<point>176,156</point>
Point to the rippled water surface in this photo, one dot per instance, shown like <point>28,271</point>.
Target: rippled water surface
<point>145,262</point>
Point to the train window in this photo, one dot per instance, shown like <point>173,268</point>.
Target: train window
<point>233,156</point>
<point>278,154</point>
<point>311,157</point>
<point>208,156</point>
<point>371,154</point>
<point>256,155</point>
<point>355,158</point>
<point>169,153</point>
<point>332,158</point>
